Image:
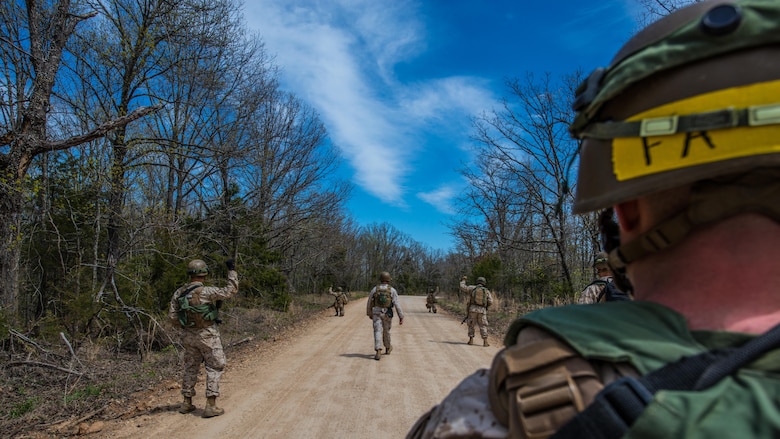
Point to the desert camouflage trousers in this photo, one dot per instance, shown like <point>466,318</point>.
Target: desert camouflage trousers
<point>339,309</point>
<point>202,346</point>
<point>478,318</point>
<point>382,324</point>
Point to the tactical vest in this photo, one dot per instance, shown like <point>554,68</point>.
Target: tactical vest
<point>479,296</point>
<point>648,336</point>
<point>192,313</point>
<point>383,298</point>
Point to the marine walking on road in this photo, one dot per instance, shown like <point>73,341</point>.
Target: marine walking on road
<point>339,300</point>
<point>382,299</point>
<point>431,300</point>
<point>479,299</point>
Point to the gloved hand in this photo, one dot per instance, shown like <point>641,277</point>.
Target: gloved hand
<point>464,278</point>
<point>230,264</point>
<point>400,321</point>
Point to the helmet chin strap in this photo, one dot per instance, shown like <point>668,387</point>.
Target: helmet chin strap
<point>711,200</point>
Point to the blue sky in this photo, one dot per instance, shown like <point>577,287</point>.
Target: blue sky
<point>396,83</point>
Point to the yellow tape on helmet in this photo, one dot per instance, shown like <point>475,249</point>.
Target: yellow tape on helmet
<point>634,157</point>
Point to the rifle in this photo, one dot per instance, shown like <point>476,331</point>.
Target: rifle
<point>464,319</point>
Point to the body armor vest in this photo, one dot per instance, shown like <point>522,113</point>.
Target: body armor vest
<point>647,336</point>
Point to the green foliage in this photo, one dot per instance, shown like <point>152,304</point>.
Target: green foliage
<point>65,202</point>
<point>87,392</point>
<point>542,285</point>
<point>28,405</point>
<point>488,267</point>
<point>274,282</point>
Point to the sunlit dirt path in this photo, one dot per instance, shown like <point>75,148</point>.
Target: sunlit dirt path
<point>325,382</point>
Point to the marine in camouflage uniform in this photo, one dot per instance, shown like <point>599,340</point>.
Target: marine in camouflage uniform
<point>592,292</point>
<point>687,119</point>
<point>340,300</point>
<point>430,300</point>
<point>199,334</point>
<point>382,316</point>
<point>477,312</point>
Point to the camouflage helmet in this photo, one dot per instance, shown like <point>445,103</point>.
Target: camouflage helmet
<point>197,268</point>
<point>338,289</point>
<point>481,281</point>
<point>693,96</point>
<point>602,258</point>
<point>384,277</point>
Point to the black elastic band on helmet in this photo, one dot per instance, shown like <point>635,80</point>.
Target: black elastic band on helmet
<point>758,115</point>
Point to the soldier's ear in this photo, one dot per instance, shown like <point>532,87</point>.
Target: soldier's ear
<point>628,215</point>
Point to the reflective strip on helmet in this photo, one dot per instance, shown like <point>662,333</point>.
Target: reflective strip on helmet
<point>634,157</point>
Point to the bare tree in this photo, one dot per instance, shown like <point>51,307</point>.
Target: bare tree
<point>287,176</point>
<point>524,154</point>
<point>34,37</point>
<point>655,9</point>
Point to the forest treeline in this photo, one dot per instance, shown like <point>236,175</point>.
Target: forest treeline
<point>136,135</point>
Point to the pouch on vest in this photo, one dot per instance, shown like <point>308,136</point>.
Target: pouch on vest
<point>479,296</point>
<point>383,298</point>
<point>536,388</point>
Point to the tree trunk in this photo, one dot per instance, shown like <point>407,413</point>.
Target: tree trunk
<point>10,232</point>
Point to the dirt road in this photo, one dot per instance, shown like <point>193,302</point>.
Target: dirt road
<point>325,383</point>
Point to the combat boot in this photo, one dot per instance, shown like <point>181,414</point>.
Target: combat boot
<point>388,349</point>
<point>211,408</point>
<point>186,406</point>
<point>471,340</point>
<point>484,342</point>
<point>378,354</point>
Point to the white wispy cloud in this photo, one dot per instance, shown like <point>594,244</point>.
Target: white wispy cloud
<point>441,198</point>
<point>445,97</point>
<point>339,56</point>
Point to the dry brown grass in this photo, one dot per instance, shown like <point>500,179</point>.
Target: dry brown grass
<point>500,316</point>
<point>45,390</point>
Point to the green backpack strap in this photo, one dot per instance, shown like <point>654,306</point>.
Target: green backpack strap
<point>209,311</point>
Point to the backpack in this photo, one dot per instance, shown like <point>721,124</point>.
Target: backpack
<point>196,316</point>
<point>383,298</point>
<point>479,298</point>
<point>609,292</point>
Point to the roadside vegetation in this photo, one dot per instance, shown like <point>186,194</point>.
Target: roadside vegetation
<point>47,387</point>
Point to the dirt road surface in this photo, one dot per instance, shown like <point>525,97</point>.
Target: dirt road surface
<point>325,383</point>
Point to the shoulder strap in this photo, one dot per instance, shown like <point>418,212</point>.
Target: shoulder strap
<point>188,291</point>
<point>184,306</point>
<point>604,286</point>
<point>621,403</point>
